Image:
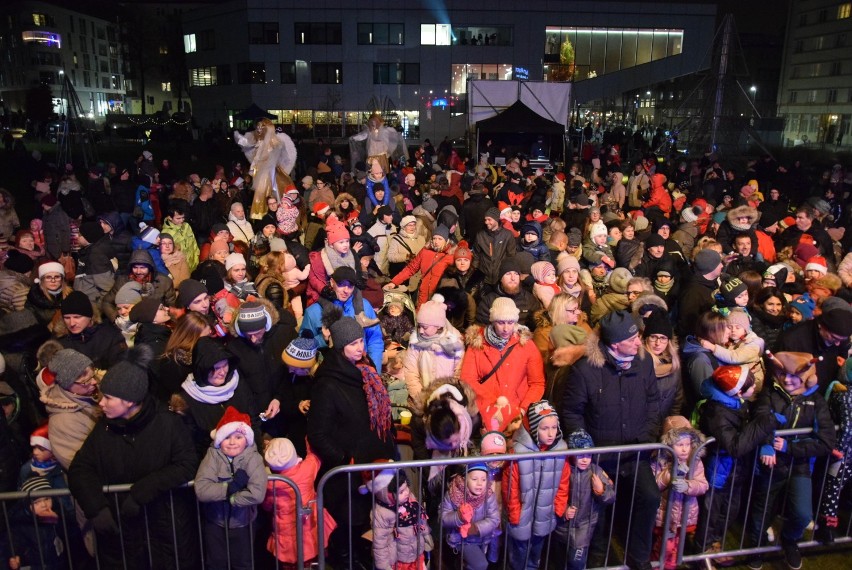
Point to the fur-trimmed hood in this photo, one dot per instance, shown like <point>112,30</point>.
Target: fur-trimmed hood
<point>474,336</point>
<point>419,406</point>
<point>734,213</point>
<point>596,352</point>
<point>273,312</point>
<point>647,299</point>
<point>345,196</point>
<point>541,318</point>
<point>697,438</point>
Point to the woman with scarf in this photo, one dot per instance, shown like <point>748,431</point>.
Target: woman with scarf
<point>349,421</point>
<point>435,349</point>
<point>45,297</point>
<point>568,278</point>
<point>212,386</point>
<point>173,259</point>
<point>659,342</point>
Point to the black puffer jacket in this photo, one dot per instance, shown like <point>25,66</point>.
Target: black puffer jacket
<point>766,326</point>
<point>43,307</point>
<point>153,452</point>
<point>695,298</point>
<point>616,407</point>
<point>527,303</point>
<point>101,342</point>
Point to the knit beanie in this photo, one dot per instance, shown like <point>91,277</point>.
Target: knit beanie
<point>301,352</point>
<point>492,213</point>
<point>345,273</point>
<point>737,316</point>
<point>598,228</point>
<point>493,443</point>
<point>817,263</point>
<point>379,480</point>
<point>336,232</point>
<point>579,439</point>
<point>219,227</point>
<point>777,273</point>
<point>92,231</point>
<point>690,214</point>
<point>281,455</point>
<point>655,240</point>
<point>641,223</point>
<point>218,245</point>
<point>68,365</point>
<point>730,289</point>
<point>277,244</point>
<point>803,253</point>
<point>234,260</point>
<point>40,437</point>
<point>509,265</point>
<point>618,280</point>
<point>463,252</point>
<point>188,291</point>
<point>35,483</point>
<point>536,412</point>
<point>566,262</point>
<point>567,335</point>
<point>433,312</point>
<point>658,323</point>
<point>145,311</point>
<point>541,270</point>
<point>503,309</point>
<point>410,220</point>
<point>232,421</point>
<point>252,317</point>
<point>838,320</point>
<point>524,261</point>
<point>18,262</point>
<point>77,303</point>
<point>148,234</point>
<point>706,261</point>
<point>805,305</point>
<point>575,238</point>
<point>344,331</point>
<point>129,294</point>
<point>128,379</point>
<point>50,267</point>
<point>617,326</point>
<point>430,205</point>
<point>499,415</point>
<point>730,379</point>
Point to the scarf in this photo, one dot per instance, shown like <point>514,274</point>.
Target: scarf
<point>623,362</point>
<point>663,288</point>
<point>211,394</point>
<point>409,513</point>
<point>336,260</point>
<point>662,368</point>
<point>494,339</point>
<point>440,343</point>
<point>458,494</point>
<point>172,258</point>
<point>378,401</point>
<point>42,468</point>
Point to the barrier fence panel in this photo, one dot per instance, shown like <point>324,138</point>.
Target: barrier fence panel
<point>69,542</point>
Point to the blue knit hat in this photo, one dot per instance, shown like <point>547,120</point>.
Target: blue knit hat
<point>580,439</point>
<point>805,305</point>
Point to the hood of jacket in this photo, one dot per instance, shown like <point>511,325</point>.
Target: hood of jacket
<point>532,226</point>
<point>206,354</point>
<point>647,299</point>
<point>474,336</point>
<point>709,388</point>
<point>692,346</point>
<point>56,399</point>
<point>420,404</point>
<point>141,257</point>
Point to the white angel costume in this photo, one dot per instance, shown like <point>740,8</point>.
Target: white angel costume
<point>272,156</point>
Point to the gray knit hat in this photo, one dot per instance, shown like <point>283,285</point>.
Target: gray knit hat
<point>492,213</point>
<point>345,331</point>
<point>68,365</point>
<point>129,294</point>
<point>617,326</point>
<point>128,379</point>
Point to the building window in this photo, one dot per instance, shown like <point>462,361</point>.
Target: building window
<point>45,38</point>
<point>189,45</point>
<point>844,11</point>
<point>116,82</point>
<point>47,78</point>
<point>803,20</point>
<point>105,82</point>
<point>224,73</point>
<point>435,35</point>
<point>464,71</point>
<point>288,72</point>
<point>43,20</point>
<point>319,33</point>
<point>251,73</point>
<point>831,96</point>
<point>799,46</point>
<point>263,32</point>
<point>167,86</point>
<point>164,50</point>
<point>47,58</point>
<point>794,97</point>
<point>812,96</point>
<point>102,50</point>
<point>396,73</point>
<point>482,36</point>
<point>104,66</point>
<point>206,40</point>
<point>823,16</point>
<point>87,81</point>
<point>87,61</point>
<point>202,77</point>
<point>327,73</point>
<point>381,34</point>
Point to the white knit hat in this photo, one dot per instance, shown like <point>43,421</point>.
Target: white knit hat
<point>280,454</point>
<point>233,260</point>
<point>50,267</point>
<point>503,309</point>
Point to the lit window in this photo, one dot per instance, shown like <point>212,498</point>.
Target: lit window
<point>435,35</point>
<point>39,19</point>
<point>167,86</point>
<point>47,38</point>
<point>164,50</point>
<point>844,11</point>
<point>189,43</point>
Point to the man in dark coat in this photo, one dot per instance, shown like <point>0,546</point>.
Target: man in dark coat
<point>137,441</point>
<point>509,286</point>
<point>492,246</point>
<point>697,296</point>
<point>473,210</point>
<point>81,329</point>
<point>807,223</point>
<point>612,394</point>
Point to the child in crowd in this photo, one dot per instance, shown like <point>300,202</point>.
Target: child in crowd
<point>531,241</point>
<point>39,538</point>
<point>840,405</point>
<point>590,489</point>
<point>732,293</point>
<point>535,491</point>
<point>545,287</point>
<point>471,515</point>
<point>283,460</point>
<point>401,536</point>
<point>230,483</point>
<point>679,486</point>
<point>724,416</point>
<point>293,276</point>
<point>125,298</point>
<point>393,376</point>
<point>596,248</point>
<point>800,309</point>
<point>294,391</point>
<point>787,462</point>
<point>397,322</point>
<point>743,347</point>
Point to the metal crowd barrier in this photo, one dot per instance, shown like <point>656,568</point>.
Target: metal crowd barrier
<point>69,517</point>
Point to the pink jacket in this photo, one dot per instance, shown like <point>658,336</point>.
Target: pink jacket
<point>696,486</point>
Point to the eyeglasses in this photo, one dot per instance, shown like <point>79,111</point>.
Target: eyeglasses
<point>658,338</point>
<point>633,293</point>
<point>52,277</point>
<point>573,311</point>
<point>89,379</point>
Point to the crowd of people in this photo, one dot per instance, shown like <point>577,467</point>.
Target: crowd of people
<point>155,330</point>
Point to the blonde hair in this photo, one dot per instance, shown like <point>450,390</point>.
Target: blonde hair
<point>559,305</point>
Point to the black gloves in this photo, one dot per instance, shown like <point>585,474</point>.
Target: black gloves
<point>239,482</point>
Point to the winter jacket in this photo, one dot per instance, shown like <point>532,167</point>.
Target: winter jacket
<point>95,273</point>
<point>489,251</point>
<point>524,300</point>
<point>806,410</point>
<point>211,487</point>
<point>101,342</point>
<point>70,420</point>
<point>589,505</point>
<point>57,232</point>
<point>685,236</point>
<point>486,517</point>
<point>628,253</point>
<point>607,303</point>
<point>159,286</point>
<point>14,288</point>
<point>698,366</point>
<point>737,433</point>
<point>45,308</point>
<point>615,406</point>
<point>659,197</point>
<point>535,491</point>
<point>184,240</point>
<point>431,265</point>
<point>153,250</point>
<point>177,267</point>
<point>281,501</point>
<point>520,377</point>
<point>153,452</point>
<point>339,432</point>
<point>696,485</point>
<point>426,361</point>
<point>240,229</point>
<point>473,214</point>
<point>203,214</point>
<point>395,544</point>
<point>695,299</point>
<point>538,249</point>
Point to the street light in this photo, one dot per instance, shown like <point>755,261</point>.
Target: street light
<point>753,91</point>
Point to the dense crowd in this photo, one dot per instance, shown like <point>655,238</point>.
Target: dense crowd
<point>157,329</point>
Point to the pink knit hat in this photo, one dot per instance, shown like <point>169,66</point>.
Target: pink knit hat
<point>540,270</point>
<point>336,232</point>
<point>433,312</point>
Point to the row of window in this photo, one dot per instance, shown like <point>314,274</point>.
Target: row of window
<point>820,96</point>
<point>816,43</point>
<point>820,69</point>
<point>842,12</point>
<point>321,73</point>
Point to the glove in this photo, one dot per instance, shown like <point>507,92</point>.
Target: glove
<point>466,512</point>
<point>239,482</point>
<point>104,523</point>
<point>680,485</point>
<point>130,508</point>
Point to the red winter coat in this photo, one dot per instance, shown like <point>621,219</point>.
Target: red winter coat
<point>660,197</point>
<point>431,264</point>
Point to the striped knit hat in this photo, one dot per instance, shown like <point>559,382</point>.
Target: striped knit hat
<point>536,412</point>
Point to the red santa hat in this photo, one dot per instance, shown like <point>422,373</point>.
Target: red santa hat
<point>233,421</point>
<point>39,438</point>
<point>817,263</point>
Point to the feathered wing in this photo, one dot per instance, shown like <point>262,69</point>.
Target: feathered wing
<point>248,144</point>
<point>396,143</point>
<point>287,156</point>
<point>358,148</point>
